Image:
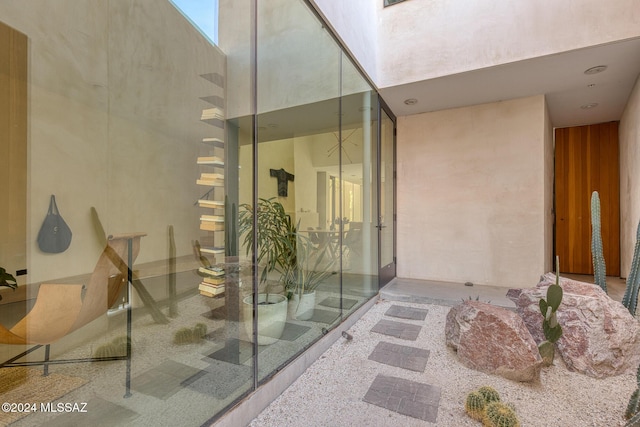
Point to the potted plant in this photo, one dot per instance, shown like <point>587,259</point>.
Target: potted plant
<point>303,273</point>
<point>273,223</point>
<point>7,280</point>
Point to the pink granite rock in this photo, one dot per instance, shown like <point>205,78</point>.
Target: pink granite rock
<point>494,340</point>
<point>600,338</point>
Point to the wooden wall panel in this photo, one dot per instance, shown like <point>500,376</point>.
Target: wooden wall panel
<point>587,161</point>
<point>13,148</point>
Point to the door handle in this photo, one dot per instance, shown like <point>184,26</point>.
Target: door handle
<point>380,226</point>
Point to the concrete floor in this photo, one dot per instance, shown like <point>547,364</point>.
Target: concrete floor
<point>449,294</point>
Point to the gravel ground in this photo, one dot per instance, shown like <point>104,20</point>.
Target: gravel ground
<point>330,392</point>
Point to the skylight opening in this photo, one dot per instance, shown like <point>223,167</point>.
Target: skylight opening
<point>203,15</point>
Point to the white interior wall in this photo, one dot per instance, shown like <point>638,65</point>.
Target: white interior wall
<point>471,187</point>
<point>629,135</point>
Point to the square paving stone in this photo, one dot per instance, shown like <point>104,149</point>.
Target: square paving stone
<point>334,302</point>
<point>401,356</point>
<point>220,379</point>
<point>292,331</point>
<point>234,351</point>
<point>324,316</point>
<point>406,397</point>
<point>400,330</point>
<point>407,312</point>
<point>164,380</point>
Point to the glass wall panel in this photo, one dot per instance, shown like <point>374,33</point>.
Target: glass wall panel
<point>221,204</point>
<point>298,100</point>
<point>357,178</point>
<point>387,199</point>
<point>123,120</point>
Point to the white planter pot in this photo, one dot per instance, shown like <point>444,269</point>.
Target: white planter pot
<point>271,317</point>
<point>302,308</point>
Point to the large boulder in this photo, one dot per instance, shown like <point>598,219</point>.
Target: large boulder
<point>493,340</point>
<point>599,336</point>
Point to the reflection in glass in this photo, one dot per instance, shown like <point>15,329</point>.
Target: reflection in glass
<point>204,200</point>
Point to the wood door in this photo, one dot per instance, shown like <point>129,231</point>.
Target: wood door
<point>13,149</point>
<point>586,160</point>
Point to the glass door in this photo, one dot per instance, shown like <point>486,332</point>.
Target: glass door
<point>386,199</point>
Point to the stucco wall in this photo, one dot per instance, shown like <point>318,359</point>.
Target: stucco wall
<point>472,194</point>
<point>629,134</point>
<point>355,22</point>
<point>424,39</point>
<point>114,109</point>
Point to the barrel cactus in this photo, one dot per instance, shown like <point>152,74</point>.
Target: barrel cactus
<point>190,335</point>
<point>199,331</point>
<point>498,414</point>
<point>489,394</point>
<point>183,336</point>
<point>474,405</point>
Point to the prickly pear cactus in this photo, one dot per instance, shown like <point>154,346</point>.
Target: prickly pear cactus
<point>498,414</point>
<point>489,394</point>
<point>599,267</point>
<point>550,326</point>
<point>474,405</point>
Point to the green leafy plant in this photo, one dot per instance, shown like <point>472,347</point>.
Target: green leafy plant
<point>632,414</point>
<point>550,326</point>
<point>599,267</point>
<point>308,269</point>
<point>7,280</point>
<point>276,243</point>
<point>282,249</point>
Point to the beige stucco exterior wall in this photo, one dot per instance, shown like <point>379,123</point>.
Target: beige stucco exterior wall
<point>472,194</point>
<point>355,22</point>
<point>629,134</point>
<point>114,123</point>
<point>424,39</point>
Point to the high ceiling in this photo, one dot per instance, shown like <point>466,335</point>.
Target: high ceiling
<point>561,77</point>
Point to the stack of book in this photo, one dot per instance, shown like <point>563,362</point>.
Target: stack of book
<point>212,113</point>
<point>212,281</point>
<point>212,222</point>
<point>210,160</point>
<point>211,179</point>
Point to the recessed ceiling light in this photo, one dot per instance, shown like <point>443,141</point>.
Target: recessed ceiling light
<point>595,70</point>
<point>589,106</point>
<point>411,101</point>
<point>591,85</point>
